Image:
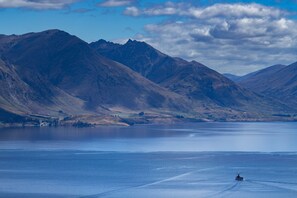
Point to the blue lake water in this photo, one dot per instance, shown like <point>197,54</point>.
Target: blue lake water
<point>188,160</point>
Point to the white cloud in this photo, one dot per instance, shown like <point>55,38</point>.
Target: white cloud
<point>168,8</point>
<point>35,4</point>
<point>217,10</point>
<point>235,38</point>
<point>235,10</point>
<point>115,3</point>
<point>132,11</point>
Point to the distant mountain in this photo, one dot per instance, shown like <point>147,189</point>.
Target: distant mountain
<point>232,77</point>
<point>260,75</point>
<point>277,81</point>
<point>192,79</point>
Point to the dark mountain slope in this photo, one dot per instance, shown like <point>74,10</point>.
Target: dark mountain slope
<point>191,79</point>
<point>140,57</point>
<point>277,81</point>
<point>19,97</point>
<point>259,75</point>
<point>56,59</point>
<point>201,83</point>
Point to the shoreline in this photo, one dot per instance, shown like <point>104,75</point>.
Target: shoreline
<point>86,124</point>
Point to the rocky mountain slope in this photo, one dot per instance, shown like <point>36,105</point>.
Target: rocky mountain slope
<point>191,79</point>
<point>54,77</point>
<point>55,72</point>
<point>277,81</point>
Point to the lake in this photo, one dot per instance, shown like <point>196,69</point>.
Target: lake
<point>186,160</point>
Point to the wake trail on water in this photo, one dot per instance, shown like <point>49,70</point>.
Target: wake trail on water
<point>275,184</point>
<point>224,191</point>
<point>146,185</point>
<point>261,182</point>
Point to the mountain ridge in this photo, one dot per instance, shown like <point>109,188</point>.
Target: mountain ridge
<point>191,79</point>
<point>278,81</point>
<point>57,77</point>
<point>68,63</point>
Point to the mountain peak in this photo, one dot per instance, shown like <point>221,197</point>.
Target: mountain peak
<point>53,31</point>
<point>137,43</point>
<point>104,45</point>
<point>46,32</point>
<point>103,42</point>
<point>132,42</point>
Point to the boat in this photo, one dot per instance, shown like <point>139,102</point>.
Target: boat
<point>238,178</point>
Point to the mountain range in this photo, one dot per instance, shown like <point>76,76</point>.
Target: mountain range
<point>191,79</point>
<point>277,81</point>
<point>53,77</point>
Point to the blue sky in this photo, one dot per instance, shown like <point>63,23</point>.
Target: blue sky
<point>229,36</point>
<point>86,19</point>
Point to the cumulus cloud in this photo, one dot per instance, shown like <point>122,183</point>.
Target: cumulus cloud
<point>35,4</point>
<point>216,10</point>
<point>168,8</point>
<point>236,38</point>
<point>115,3</point>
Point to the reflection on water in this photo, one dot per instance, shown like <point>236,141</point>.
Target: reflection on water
<point>85,134</point>
<point>261,137</point>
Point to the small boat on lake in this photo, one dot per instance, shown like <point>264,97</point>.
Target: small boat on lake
<point>238,178</point>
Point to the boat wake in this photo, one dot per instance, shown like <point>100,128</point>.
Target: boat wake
<point>148,184</point>
<point>230,188</point>
<point>291,186</point>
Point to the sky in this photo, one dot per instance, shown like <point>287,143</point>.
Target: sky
<point>228,36</point>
